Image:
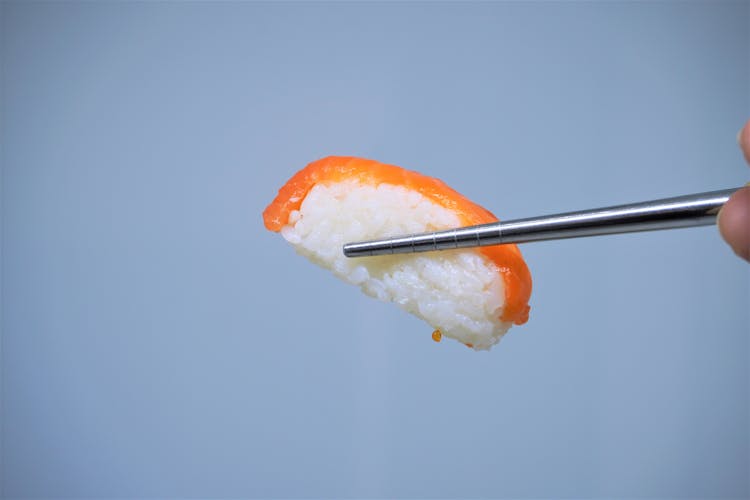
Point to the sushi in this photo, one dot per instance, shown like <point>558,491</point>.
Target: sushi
<point>470,295</point>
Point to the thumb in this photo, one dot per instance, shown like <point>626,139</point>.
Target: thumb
<point>734,222</point>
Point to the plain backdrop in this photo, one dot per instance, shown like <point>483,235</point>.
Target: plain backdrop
<point>157,341</point>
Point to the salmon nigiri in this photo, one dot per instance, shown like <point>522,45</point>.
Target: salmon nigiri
<point>471,295</point>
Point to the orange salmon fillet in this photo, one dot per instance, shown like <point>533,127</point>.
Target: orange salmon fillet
<point>507,258</point>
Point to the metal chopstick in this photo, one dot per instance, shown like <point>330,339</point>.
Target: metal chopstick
<point>681,211</point>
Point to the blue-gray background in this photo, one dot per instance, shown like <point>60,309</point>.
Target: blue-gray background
<point>158,341</point>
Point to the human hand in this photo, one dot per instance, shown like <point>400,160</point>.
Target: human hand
<point>734,217</point>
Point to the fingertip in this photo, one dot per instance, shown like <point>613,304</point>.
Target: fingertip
<point>734,222</point>
<point>743,139</point>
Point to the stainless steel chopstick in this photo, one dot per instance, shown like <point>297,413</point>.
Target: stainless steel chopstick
<point>682,211</point>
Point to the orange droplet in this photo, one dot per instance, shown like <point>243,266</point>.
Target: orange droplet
<point>470,346</point>
<point>437,336</point>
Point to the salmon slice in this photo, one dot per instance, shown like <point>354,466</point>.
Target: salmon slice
<point>507,258</point>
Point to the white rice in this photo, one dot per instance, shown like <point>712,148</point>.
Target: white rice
<point>458,292</point>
